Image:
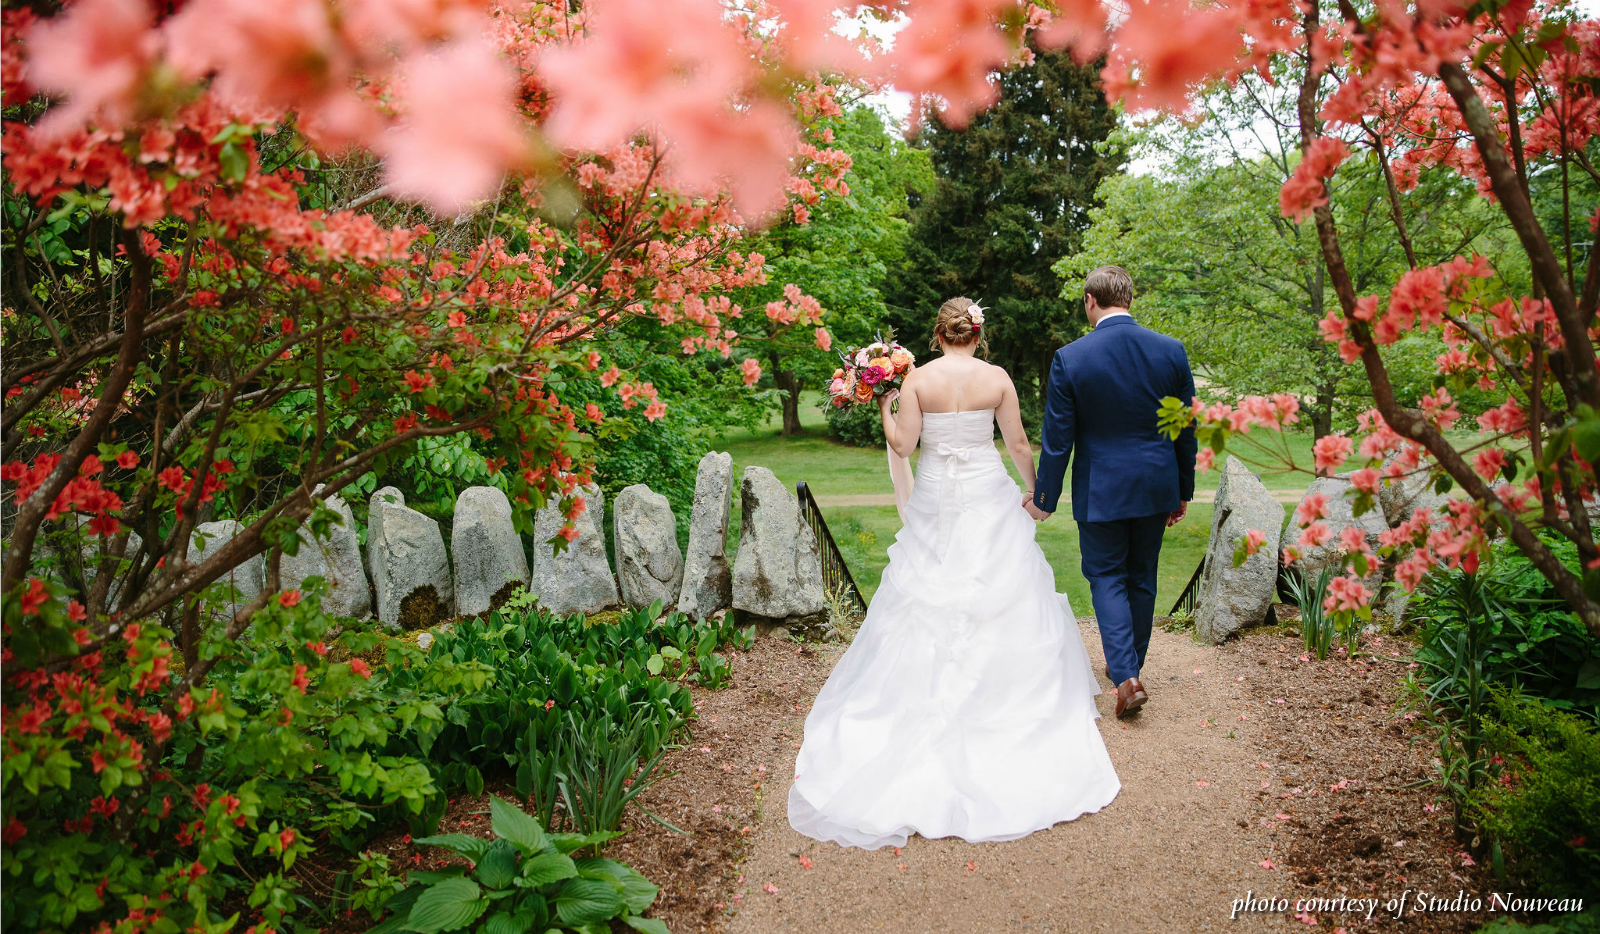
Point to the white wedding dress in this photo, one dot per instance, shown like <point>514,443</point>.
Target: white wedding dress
<point>966,704</point>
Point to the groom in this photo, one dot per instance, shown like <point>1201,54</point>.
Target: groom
<point>1129,482</point>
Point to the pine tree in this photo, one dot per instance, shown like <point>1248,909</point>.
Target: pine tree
<point>1013,194</point>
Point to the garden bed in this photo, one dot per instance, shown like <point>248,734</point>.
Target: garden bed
<point>1343,794</point>
<point>717,794</point>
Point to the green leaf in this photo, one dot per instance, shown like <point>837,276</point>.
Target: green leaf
<point>499,865</point>
<point>581,901</point>
<point>510,823</point>
<point>472,848</point>
<point>647,925</point>
<point>448,906</point>
<point>235,163</point>
<point>566,686</point>
<point>571,842</point>
<point>1589,676</point>
<point>501,922</point>
<point>548,867</point>
<point>474,781</point>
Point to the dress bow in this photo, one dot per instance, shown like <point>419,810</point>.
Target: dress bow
<point>951,498</point>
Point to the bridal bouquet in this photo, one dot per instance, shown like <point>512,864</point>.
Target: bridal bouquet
<point>870,371</point>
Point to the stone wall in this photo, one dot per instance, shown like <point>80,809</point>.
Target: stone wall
<point>410,578</point>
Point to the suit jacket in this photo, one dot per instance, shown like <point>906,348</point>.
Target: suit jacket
<point>1104,393</point>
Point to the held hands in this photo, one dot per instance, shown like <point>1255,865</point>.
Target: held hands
<point>1039,515</point>
<point>1173,518</point>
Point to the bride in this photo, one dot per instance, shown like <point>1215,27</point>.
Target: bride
<point>965,706</point>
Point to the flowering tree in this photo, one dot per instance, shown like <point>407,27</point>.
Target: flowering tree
<point>203,319</point>
<point>1500,94</point>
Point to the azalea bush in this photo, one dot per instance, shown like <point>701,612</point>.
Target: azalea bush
<point>127,796</point>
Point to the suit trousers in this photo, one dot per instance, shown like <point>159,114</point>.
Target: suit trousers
<point>1119,560</point>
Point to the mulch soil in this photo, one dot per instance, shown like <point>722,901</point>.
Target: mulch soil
<point>1344,796</point>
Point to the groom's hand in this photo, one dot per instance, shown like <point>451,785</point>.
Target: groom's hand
<point>1173,518</point>
<point>1038,514</point>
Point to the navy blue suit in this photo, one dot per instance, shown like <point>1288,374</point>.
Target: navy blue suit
<point>1105,390</point>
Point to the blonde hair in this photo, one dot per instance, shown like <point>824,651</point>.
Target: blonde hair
<point>955,326</point>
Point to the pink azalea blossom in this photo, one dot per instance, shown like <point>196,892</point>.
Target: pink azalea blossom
<point>1312,508</point>
<point>1330,451</point>
<point>1366,480</point>
<point>97,53</point>
<point>1205,460</point>
<point>1346,593</point>
<point>461,131</point>
<point>1315,534</point>
<point>751,370</point>
<point>1253,540</point>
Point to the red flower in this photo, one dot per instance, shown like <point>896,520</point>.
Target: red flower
<point>171,478</point>
<point>348,335</point>
<point>77,614</point>
<point>34,597</point>
<point>301,682</point>
<point>104,807</point>
<point>289,598</point>
<point>360,667</point>
<point>321,648</point>
<point>14,831</point>
<point>286,838</point>
<point>418,381</point>
<point>127,460</point>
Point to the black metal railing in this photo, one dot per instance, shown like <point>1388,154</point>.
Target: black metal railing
<point>835,572</point>
<point>1191,592</point>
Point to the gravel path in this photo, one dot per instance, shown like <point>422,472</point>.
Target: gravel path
<point>1172,852</point>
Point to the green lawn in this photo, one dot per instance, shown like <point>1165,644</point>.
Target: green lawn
<point>864,532</point>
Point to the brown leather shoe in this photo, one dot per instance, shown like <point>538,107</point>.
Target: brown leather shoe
<point>1130,697</point>
<point>1107,670</point>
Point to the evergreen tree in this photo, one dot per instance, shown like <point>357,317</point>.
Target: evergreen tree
<point>1013,196</point>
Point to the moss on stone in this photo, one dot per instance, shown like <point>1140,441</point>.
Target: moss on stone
<point>420,609</point>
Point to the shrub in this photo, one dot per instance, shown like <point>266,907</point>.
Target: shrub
<point>131,789</point>
<point>858,425</point>
<point>1545,810</point>
<point>1528,638</point>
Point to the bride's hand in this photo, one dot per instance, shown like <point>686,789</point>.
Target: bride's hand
<point>887,399</point>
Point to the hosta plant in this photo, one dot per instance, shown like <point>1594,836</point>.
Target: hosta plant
<point>523,880</point>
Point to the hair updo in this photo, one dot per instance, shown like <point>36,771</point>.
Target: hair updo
<point>955,326</point>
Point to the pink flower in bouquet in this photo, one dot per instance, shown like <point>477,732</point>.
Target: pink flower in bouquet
<point>872,376</point>
<point>836,388</point>
<point>863,358</point>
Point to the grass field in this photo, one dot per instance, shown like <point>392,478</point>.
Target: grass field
<point>864,532</point>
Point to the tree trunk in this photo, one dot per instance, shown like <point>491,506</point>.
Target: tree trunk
<point>790,384</point>
<point>1322,413</point>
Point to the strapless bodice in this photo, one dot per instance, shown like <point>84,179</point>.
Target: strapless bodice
<point>957,430</point>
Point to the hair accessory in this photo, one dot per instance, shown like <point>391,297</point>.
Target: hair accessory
<point>975,312</point>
